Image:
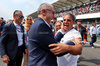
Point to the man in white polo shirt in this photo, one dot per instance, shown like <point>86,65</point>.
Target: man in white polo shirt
<point>71,58</point>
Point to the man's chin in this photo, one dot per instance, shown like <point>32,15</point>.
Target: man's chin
<point>66,29</point>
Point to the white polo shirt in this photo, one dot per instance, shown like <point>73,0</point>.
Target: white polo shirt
<point>68,59</point>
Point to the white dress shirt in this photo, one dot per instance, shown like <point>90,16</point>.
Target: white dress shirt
<point>19,34</point>
<point>68,59</point>
<point>93,30</point>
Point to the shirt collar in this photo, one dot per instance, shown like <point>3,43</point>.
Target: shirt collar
<point>46,22</point>
<point>16,24</point>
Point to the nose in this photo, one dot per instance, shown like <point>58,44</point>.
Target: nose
<point>66,21</point>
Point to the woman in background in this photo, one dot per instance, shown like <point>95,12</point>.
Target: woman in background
<point>28,24</point>
<point>57,27</point>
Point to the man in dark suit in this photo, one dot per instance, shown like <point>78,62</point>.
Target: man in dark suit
<point>12,44</point>
<point>40,37</point>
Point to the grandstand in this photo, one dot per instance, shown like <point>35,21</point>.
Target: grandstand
<point>87,10</point>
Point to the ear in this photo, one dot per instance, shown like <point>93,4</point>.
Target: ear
<point>14,15</point>
<point>43,11</point>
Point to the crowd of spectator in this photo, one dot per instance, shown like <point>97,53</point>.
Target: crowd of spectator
<point>92,7</point>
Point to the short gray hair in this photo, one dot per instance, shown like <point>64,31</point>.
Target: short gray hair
<point>43,6</point>
<point>73,17</point>
<point>16,12</point>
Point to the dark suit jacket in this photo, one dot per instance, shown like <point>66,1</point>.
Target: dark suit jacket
<point>9,41</point>
<point>40,37</point>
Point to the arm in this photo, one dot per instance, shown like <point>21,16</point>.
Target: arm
<point>45,37</point>
<point>3,40</point>
<point>62,48</point>
<point>85,34</point>
<point>41,36</point>
<point>68,43</point>
<point>58,36</point>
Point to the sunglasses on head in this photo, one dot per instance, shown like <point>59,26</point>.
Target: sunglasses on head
<point>29,19</point>
<point>21,16</point>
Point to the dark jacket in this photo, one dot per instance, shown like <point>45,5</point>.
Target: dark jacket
<point>40,37</point>
<point>9,41</point>
<point>82,31</point>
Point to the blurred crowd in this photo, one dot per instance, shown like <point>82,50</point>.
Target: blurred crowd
<point>86,8</point>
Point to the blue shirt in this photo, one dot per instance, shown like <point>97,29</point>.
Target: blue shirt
<point>19,34</point>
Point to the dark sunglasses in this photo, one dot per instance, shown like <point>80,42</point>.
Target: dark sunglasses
<point>21,16</point>
<point>29,19</point>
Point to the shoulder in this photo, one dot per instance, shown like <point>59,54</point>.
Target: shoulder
<point>6,25</point>
<point>37,24</point>
<point>98,28</point>
<point>76,33</point>
<point>91,27</point>
<point>73,30</point>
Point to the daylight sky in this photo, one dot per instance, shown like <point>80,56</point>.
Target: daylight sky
<point>7,7</point>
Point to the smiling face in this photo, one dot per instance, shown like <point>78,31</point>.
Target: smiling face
<point>29,20</point>
<point>68,22</point>
<point>58,26</point>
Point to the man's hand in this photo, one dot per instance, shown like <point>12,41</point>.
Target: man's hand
<point>5,59</point>
<point>62,48</point>
<point>58,48</point>
<point>77,40</point>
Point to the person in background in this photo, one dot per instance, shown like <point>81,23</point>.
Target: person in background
<point>1,27</point>
<point>53,24</point>
<point>57,27</point>
<point>9,21</point>
<point>12,43</point>
<point>54,20</point>
<point>3,21</point>
<point>23,23</point>
<point>75,27</point>
<point>82,30</point>
<point>35,19</point>
<point>83,33</point>
<point>28,24</point>
<point>86,31</point>
<point>93,32</point>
